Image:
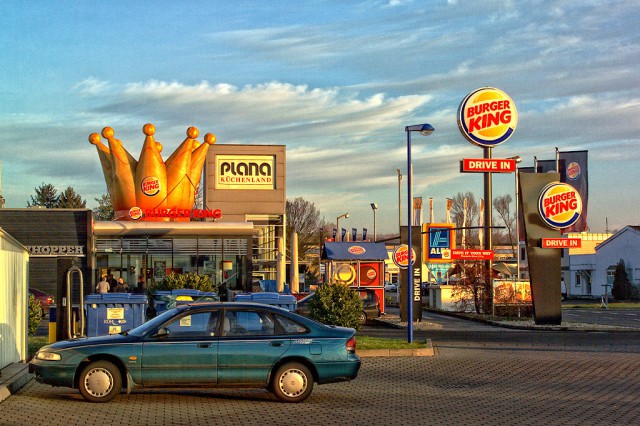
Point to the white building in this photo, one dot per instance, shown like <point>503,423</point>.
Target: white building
<point>623,245</point>
<point>579,265</point>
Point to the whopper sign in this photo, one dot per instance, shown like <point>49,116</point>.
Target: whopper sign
<point>487,117</point>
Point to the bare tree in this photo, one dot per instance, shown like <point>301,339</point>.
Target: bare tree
<point>502,205</point>
<point>457,215</point>
<point>304,218</point>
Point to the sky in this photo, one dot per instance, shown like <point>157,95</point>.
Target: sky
<point>334,81</point>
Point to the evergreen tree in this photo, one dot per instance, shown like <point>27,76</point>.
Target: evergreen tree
<point>622,288</point>
<point>104,210</point>
<point>69,199</point>
<point>46,196</point>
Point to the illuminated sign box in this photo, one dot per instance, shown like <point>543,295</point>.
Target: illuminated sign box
<point>438,241</point>
<point>245,172</point>
<point>484,165</point>
<point>560,243</point>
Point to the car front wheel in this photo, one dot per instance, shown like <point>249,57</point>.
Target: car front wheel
<point>100,381</point>
<point>293,382</point>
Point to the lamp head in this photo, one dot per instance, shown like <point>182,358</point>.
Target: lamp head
<point>374,206</point>
<point>425,129</point>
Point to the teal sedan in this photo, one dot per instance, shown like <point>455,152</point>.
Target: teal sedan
<point>240,345</point>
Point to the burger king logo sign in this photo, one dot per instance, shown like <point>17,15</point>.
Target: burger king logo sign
<point>135,213</point>
<point>487,117</point>
<point>559,205</point>
<point>401,256</point>
<point>150,186</point>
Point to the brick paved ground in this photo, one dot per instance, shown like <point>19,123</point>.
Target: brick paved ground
<point>464,384</point>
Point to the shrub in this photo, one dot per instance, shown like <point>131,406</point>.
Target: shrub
<point>35,315</point>
<point>175,281</point>
<point>336,304</point>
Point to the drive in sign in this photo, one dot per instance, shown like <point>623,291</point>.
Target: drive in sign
<point>490,165</point>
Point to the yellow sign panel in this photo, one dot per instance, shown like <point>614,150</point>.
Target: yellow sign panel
<point>115,313</point>
<point>245,172</point>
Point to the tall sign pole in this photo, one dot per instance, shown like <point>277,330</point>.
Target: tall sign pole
<point>487,117</point>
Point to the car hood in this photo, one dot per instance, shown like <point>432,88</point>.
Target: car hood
<point>93,341</point>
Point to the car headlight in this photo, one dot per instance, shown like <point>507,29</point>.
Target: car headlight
<point>48,356</point>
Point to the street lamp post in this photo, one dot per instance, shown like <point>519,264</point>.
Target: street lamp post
<point>426,130</point>
<point>399,201</point>
<point>346,216</point>
<point>374,207</point>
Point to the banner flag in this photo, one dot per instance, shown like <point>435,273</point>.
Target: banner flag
<point>573,171</point>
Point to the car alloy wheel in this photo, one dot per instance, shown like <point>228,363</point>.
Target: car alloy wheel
<point>100,381</point>
<point>363,318</point>
<point>293,382</point>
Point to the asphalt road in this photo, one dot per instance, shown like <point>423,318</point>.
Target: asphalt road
<point>480,375</point>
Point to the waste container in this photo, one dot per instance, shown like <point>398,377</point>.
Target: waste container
<point>114,313</point>
<point>53,322</point>
<point>285,301</point>
<point>165,300</point>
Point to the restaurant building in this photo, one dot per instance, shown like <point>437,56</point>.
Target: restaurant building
<point>233,234</point>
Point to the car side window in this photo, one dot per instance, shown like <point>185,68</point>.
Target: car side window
<point>290,326</point>
<point>247,323</point>
<point>197,325</point>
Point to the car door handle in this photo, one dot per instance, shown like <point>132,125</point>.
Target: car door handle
<point>204,345</point>
<point>276,343</point>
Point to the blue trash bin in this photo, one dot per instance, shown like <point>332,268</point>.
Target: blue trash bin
<point>285,301</point>
<point>113,313</point>
<point>165,300</point>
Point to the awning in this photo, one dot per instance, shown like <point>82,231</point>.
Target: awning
<point>358,250</point>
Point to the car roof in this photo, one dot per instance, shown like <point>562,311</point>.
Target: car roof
<point>235,305</point>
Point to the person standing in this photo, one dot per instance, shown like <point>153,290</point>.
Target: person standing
<point>121,287</point>
<point>103,286</point>
<point>112,283</point>
<point>140,286</point>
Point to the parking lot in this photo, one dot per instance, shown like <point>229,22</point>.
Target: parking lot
<point>572,380</point>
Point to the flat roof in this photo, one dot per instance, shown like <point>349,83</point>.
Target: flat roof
<point>121,228</point>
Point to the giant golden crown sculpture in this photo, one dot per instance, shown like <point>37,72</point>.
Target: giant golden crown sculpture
<point>150,186</point>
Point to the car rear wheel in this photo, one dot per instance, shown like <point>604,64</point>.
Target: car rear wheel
<point>363,318</point>
<point>293,382</point>
<point>100,381</point>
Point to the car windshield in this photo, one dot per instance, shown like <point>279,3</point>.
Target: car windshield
<point>153,323</point>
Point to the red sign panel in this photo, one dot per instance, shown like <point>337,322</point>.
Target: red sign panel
<point>561,243</point>
<point>484,165</point>
<point>462,254</point>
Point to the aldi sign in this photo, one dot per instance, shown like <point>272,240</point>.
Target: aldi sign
<point>439,239</point>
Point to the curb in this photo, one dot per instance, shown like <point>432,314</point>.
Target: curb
<point>370,353</point>
<point>13,378</point>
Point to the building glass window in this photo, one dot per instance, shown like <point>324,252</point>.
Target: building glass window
<point>223,259</point>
